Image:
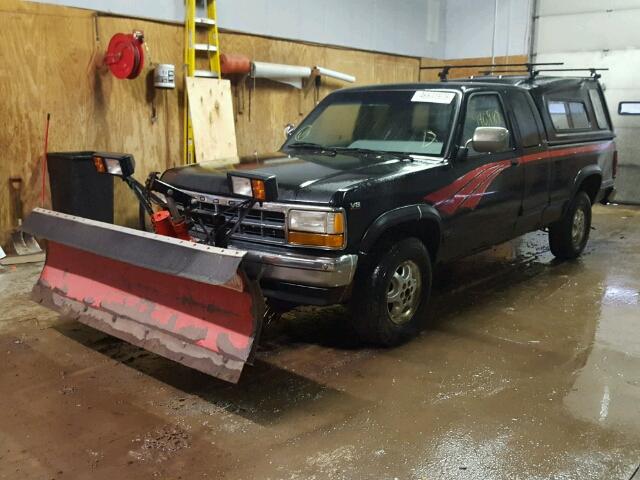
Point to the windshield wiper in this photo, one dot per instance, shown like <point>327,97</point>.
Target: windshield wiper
<point>402,155</point>
<point>355,150</point>
<point>311,146</point>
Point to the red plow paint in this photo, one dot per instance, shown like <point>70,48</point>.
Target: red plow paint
<point>187,302</point>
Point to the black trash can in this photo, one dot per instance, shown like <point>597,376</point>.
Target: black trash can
<point>77,188</point>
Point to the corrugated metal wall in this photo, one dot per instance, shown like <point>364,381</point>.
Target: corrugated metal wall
<point>600,33</point>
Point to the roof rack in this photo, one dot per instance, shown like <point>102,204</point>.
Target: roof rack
<point>443,74</point>
<point>535,73</point>
<point>593,72</point>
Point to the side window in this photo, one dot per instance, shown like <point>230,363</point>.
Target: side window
<point>579,116</point>
<point>598,108</point>
<point>559,115</point>
<point>525,116</point>
<point>483,110</point>
<point>568,115</point>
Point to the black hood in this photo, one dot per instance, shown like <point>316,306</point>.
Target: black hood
<point>307,177</point>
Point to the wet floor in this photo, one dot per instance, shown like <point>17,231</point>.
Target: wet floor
<point>530,370</point>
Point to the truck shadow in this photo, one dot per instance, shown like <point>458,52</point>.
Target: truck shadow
<point>264,394</point>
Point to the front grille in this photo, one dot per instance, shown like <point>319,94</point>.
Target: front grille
<point>258,225</point>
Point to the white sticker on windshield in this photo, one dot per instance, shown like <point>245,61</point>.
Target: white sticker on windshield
<point>433,96</point>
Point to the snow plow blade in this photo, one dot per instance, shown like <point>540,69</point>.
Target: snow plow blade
<point>188,302</point>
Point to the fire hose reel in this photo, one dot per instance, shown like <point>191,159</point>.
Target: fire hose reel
<point>125,55</point>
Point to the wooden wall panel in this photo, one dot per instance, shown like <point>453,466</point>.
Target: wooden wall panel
<point>32,85</point>
<point>52,60</point>
<point>52,63</point>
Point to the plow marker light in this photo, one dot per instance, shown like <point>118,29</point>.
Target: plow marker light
<point>188,302</point>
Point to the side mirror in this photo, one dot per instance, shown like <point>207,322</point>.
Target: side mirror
<point>490,139</point>
<point>288,129</point>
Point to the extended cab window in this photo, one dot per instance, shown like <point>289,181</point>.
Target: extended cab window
<point>402,121</point>
<point>568,115</point>
<point>526,118</point>
<point>483,110</point>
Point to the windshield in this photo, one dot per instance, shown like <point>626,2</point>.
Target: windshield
<point>405,121</point>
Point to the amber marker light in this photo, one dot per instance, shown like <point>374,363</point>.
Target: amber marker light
<point>98,162</point>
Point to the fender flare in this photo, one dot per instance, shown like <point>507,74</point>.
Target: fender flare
<point>397,216</point>
<point>583,174</point>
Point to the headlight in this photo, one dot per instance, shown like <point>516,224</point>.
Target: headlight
<point>263,188</point>
<point>316,222</point>
<point>118,164</point>
<point>241,186</point>
<point>316,229</point>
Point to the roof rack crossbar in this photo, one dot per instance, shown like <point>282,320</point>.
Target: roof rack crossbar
<point>490,72</point>
<point>445,69</point>
<point>592,71</point>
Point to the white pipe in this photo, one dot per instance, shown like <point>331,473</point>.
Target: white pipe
<point>289,74</point>
<point>337,75</point>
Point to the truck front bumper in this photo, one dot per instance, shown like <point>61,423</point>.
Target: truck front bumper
<point>299,278</point>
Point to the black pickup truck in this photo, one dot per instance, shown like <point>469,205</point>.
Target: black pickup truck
<point>380,183</point>
<point>368,193</point>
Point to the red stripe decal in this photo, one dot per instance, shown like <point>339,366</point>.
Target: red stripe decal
<point>452,204</point>
<point>467,190</point>
<point>450,190</point>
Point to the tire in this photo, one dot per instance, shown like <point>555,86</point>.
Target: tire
<point>569,235</point>
<point>399,270</point>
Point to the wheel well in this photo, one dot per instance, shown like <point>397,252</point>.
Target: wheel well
<point>591,186</point>
<point>428,231</point>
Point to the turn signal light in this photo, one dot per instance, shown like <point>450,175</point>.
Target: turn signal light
<point>316,239</point>
<point>118,164</point>
<point>98,162</point>
<point>259,190</point>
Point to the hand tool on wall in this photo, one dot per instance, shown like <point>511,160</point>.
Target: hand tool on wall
<point>23,243</point>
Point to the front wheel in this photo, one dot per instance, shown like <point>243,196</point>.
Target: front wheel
<point>391,294</point>
<point>569,235</point>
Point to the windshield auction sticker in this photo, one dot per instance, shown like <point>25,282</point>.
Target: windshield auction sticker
<point>433,96</point>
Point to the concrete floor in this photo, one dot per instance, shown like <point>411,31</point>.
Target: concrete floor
<point>530,370</point>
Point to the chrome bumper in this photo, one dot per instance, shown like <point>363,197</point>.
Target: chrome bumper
<point>315,271</point>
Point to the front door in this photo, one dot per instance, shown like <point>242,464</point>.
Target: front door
<point>485,198</point>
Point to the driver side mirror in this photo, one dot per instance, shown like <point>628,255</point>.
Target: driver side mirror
<point>288,129</point>
<point>489,139</point>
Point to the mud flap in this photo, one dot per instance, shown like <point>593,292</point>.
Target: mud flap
<point>188,302</point>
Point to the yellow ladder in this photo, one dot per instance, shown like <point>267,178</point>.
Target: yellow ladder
<point>201,58</point>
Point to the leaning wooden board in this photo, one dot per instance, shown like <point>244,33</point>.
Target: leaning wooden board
<point>211,110</point>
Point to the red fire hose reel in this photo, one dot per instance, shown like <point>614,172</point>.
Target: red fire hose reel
<point>125,55</point>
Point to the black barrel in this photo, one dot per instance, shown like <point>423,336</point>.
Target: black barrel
<point>77,188</point>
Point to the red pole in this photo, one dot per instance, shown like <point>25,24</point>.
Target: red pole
<point>44,161</point>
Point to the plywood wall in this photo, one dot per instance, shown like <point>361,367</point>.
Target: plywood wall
<point>51,63</point>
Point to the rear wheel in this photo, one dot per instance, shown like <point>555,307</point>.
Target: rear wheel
<point>391,294</point>
<point>569,235</point>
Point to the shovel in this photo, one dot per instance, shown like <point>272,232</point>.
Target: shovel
<point>23,243</point>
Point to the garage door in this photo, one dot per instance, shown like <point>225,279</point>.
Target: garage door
<point>601,33</point>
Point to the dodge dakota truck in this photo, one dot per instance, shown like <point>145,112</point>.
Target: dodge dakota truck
<point>371,190</point>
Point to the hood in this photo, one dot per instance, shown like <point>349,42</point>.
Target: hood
<point>307,177</point>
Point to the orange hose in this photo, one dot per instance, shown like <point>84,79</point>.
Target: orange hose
<point>234,63</point>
